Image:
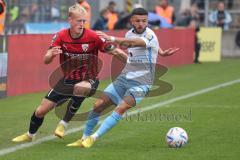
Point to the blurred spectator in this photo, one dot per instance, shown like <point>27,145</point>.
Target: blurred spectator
<point>102,21</point>
<point>128,7</point>
<point>124,16</point>
<point>189,14</point>
<point>237,39</point>
<point>165,10</point>
<point>137,5</point>
<point>123,23</point>
<point>220,17</point>
<point>29,13</point>
<point>184,18</point>
<point>23,18</point>
<point>229,4</point>
<point>55,13</point>
<point>43,13</point>
<point>201,6</point>
<point>113,15</point>
<point>3,10</point>
<point>12,17</point>
<point>193,24</point>
<point>14,12</point>
<point>199,3</point>
<point>87,7</point>
<point>191,18</point>
<point>155,21</point>
<point>34,12</point>
<point>64,11</point>
<point>195,12</point>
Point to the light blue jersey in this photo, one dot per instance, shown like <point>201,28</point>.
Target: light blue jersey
<point>138,74</point>
<point>141,61</point>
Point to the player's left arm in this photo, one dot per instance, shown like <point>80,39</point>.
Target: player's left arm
<point>168,52</point>
<point>137,42</point>
<point>126,42</point>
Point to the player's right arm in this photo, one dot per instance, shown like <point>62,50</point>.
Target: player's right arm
<point>51,54</point>
<point>54,49</point>
<point>120,54</point>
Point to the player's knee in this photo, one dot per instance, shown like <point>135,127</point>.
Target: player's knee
<point>80,90</point>
<point>98,106</point>
<point>125,107</point>
<point>128,102</point>
<point>40,112</point>
<point>98,103</point>
<point>76,90</point>
<point>122,109</point>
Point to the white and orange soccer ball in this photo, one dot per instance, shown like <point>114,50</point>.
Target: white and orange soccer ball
<point>176,137</point>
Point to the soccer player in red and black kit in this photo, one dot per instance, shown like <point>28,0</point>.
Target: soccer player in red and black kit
<point>78,49</point>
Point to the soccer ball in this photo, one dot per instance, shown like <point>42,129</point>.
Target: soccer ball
<point>176,137</point>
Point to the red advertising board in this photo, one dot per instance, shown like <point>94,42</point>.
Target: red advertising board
<point>27,73</point>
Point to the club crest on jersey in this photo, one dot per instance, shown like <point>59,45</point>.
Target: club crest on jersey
<point>85,47</point>
<point>149,36</point>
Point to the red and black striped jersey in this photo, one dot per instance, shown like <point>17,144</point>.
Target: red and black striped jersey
<point>79,60</point>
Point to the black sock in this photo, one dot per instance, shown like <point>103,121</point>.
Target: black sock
<point>73,106</point>
<point>35,123</point>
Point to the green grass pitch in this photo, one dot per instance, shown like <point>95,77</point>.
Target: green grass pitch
<point>210,119</point>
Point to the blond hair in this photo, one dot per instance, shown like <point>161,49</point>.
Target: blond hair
<point>76,9</point>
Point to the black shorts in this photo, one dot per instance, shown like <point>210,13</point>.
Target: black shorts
<point>64,89</point>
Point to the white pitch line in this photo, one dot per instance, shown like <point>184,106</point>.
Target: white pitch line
<point>157,105</point>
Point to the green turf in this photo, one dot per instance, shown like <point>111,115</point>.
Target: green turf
<point>211,120</point>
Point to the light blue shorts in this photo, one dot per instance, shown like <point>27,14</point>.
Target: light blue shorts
<point>123,87</point>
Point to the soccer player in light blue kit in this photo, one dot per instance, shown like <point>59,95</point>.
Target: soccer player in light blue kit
<point>134,82</point>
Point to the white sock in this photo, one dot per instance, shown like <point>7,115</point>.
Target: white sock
<point>95,136</point>
<point>31,135</point>
<point>65,124</point>
<point>84,137</point>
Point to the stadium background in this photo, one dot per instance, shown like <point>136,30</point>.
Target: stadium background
<point>212,116</point>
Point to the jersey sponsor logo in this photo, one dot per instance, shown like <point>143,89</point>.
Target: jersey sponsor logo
<point>138,59</point>
<point>85,47</point>
<point>135,60</point>
<point>79,56</point>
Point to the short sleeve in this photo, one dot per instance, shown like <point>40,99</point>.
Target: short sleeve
<point>101,43</point>
<point>55,41</point>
